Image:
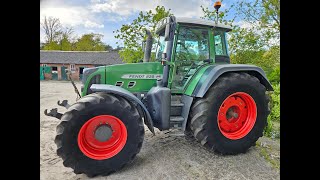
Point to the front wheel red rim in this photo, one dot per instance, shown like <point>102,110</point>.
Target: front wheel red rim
<point>102,137</point>
<point>237,115</point>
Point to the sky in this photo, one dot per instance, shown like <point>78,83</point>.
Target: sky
<point>106,16</point>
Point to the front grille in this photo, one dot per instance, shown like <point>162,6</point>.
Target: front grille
<point>94,80</point>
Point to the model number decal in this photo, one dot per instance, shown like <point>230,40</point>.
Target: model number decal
<point>141,76</point>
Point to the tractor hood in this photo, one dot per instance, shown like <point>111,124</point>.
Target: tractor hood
<point>135,77</point>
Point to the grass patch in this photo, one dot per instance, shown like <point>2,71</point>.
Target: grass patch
<point>269,153</point>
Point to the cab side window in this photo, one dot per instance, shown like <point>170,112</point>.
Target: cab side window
<point>220,43</point>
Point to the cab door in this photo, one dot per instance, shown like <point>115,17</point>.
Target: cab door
<point>192,51</point>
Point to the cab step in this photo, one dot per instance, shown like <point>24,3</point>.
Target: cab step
<point>176,122</point>
<point>176,132</point>
<point>176,108</point>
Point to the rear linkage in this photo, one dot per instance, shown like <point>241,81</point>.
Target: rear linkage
<point>54,111</point>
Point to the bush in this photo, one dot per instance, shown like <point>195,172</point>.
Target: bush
<point>274,116</point>
<point>274,76</point>
<point>269,128</point>
<point>275,103</point>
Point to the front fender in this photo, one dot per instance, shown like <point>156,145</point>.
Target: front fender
<point>212,73</point>
<point>127,95</point>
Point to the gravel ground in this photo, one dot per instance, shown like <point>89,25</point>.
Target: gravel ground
<point>162,156</point>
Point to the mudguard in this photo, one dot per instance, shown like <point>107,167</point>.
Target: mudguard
<point>129,96</point>
<point>214,72</point>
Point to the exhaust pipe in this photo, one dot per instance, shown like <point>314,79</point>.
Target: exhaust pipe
<point>147,52</point>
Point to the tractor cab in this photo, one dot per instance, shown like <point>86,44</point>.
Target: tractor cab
<point>185,45</point>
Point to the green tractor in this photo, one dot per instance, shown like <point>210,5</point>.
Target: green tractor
<point>191,86</point>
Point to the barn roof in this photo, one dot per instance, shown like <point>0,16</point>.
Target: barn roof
<point>80,57</point>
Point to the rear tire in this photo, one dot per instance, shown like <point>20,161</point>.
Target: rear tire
<point>251,119</point>
<point>73,129</point>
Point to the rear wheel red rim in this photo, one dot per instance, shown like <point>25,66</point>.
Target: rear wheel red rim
<point>102,137</point>
<point>237,115</point>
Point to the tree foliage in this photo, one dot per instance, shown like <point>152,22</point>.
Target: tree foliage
<point>107,47</point>
<point>257,27</point>
<point>90,42</point>
<point>53,45</point>
<point>223,15</point>
<point>62,38</point>
<point>265,12</point>
<point>133,34</point>
<point>263,17</point>
<point>52,29</point>
<point>274,116</point>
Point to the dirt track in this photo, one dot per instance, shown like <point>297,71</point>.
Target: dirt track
<point>161,157</point>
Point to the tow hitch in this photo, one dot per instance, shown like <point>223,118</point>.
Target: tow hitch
<point>54,111</point>
<point>64,103</point>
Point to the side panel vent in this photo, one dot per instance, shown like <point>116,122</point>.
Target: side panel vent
<point>119,83</point>
<point>131,84</point>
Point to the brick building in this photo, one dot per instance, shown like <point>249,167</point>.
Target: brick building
<point>53,64</point>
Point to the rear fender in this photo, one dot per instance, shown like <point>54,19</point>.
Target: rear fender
<point>214,72</point>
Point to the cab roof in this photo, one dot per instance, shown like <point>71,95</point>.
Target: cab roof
<point>185,20</point>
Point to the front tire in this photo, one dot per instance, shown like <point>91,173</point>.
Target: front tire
<point>232,115</point>
<point>99,134</point>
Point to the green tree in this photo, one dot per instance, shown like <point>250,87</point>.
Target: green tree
<point>264,13</point>
<point>56,36</point>
<point>107,47</point>
<point>263,17</point>
<point>133,34</point>
<point>65,39</point>
<point>90,42</point>
<point>65,44</point>
<point>263,23</point>
<point>53,45</point>
<point>52,29</point>
<point>223,15</point>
